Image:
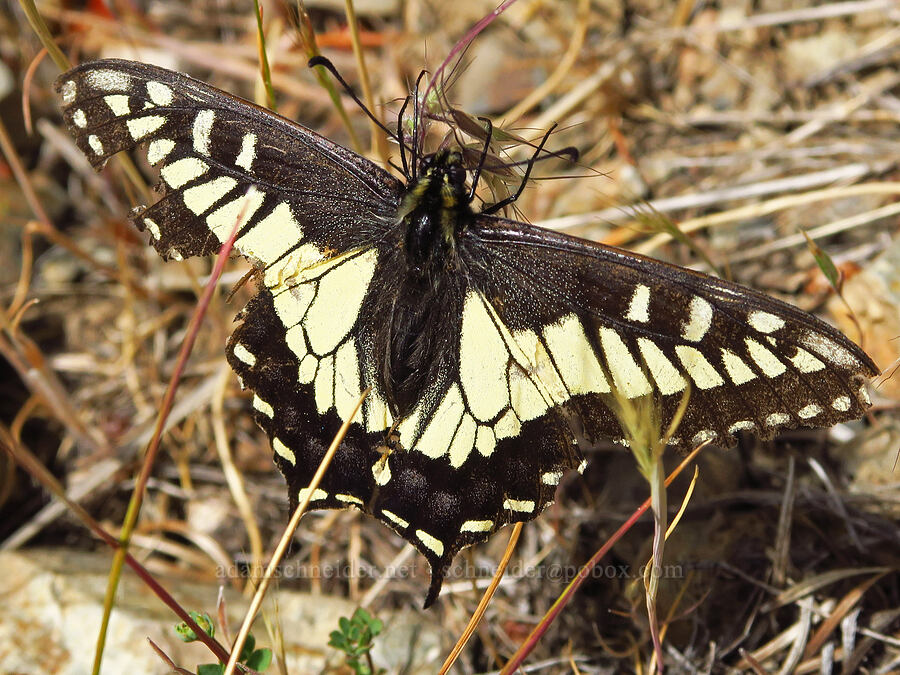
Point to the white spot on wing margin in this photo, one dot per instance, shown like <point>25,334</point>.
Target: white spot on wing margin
<point>394,518</point>
<point>263,407</point>
<point>809,411</point>
<point>777,419</point>
<point>244,354</point>
<point>108,80</point>
<point>699,321</point>
<point>765,322</point>
<point>522,505</point>
<point>202,131</point>
<point>153,227</point>
<point>828,349</point>
<point>841,403</point>
<point>68,91</point>
<point>284,451</point>
<point>95,144</point>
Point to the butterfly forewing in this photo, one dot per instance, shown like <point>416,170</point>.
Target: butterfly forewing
<point>224,160</point>
<point>599,320</point>
<point>481,381</point>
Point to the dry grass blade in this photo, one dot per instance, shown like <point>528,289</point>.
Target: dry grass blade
<point>170,664</point>
<point>559,73</point>
<point>232,474</point>
<point>485,600</point>
<point>783,532</point>
<point>379,143</point>
<point>874,634</point>
<point>684,502</point>
<point>817,582</point>
<point>265,72</point>
<point>308,38</point>
<point>46,38</point>
<point>838,614</point>
<point>781,203</point>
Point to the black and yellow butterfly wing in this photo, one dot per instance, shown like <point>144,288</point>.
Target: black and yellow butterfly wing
<point>615,321</point>
<point>478,375</point>
<point>223,159</point>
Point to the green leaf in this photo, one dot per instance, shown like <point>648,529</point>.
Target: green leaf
<point>210,669</point>
<point>249,646</point>
<point>355,639</point>
<point>259,660</point>
<point>338,641</point>
<point>185,634</point>
<point>825,263</point>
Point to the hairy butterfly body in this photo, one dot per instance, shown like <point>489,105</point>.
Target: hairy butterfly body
<point>481,338</point>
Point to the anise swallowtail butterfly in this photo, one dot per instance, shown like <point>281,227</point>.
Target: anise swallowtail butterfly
<point>481,338</point>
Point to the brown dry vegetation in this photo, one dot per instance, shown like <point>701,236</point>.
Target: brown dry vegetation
<point>745,121</point>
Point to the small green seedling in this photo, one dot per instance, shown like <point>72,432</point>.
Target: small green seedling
<point>255,659</point>
<point>354,638</point>
<point>201,619</point>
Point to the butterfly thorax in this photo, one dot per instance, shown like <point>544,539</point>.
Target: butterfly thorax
<point>433,210</point>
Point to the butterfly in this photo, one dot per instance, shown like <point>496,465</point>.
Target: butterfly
<point>488,346</point>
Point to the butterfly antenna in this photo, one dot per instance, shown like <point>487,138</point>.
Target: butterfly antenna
<point>329,66</point>
<point>483,158</point>
<point>400,135</point>
<point>513,197</point>
<point>416,116</point>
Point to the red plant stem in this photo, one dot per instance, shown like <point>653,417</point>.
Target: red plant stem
<point>464,42</point>
<point>137,496</point>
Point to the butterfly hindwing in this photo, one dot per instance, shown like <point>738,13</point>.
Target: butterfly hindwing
<point>445,476</point>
